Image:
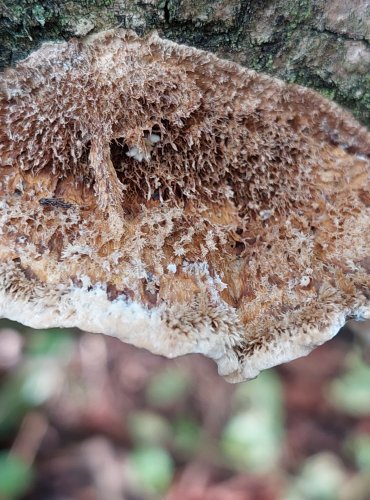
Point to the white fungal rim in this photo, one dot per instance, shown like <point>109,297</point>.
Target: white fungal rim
<point>92,311</point>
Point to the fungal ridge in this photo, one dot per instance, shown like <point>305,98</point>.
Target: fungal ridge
<point>150,119</point>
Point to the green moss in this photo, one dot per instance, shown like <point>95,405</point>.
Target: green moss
<point>299,11</point>
<point>40,14</point>
<point>25,24</point>
<point>328,93</point>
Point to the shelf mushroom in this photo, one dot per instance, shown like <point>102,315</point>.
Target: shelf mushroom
<point>180,202</point>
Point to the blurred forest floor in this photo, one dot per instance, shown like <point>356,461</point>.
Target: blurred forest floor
<point>86,417</point>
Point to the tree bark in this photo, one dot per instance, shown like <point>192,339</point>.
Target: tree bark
<point>323,44</point>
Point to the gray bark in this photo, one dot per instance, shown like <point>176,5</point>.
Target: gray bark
<point>323,44</point>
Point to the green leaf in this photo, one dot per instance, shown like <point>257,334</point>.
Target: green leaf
<point>167,388</point>
<point>321,478</point>
<point>12,404</point>
<point>153,468</point>
<point>41,382</point>
<point>262,393</point>
<point>186,436</point>
<point>15,476</point>
<point>54,342</point>
<point>148,427</point>
<point>31,385</point>
<point>351,392</point>
<point>252,438</point>
<point>359,448</point>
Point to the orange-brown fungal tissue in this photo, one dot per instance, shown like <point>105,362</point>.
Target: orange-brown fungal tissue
<point>180,202</point>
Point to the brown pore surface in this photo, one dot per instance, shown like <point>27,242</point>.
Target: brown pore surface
<point>232,200</point>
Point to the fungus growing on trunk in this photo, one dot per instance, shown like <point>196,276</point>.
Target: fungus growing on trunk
<point>180,202</point>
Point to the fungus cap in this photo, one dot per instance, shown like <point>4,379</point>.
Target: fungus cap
<point>180,202</point>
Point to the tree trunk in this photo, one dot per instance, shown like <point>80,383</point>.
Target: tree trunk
<point>324,44</point>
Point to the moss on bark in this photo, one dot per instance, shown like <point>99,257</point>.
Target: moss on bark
<point>318,43</point>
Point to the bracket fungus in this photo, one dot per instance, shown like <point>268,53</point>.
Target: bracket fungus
<point>180,202</point>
